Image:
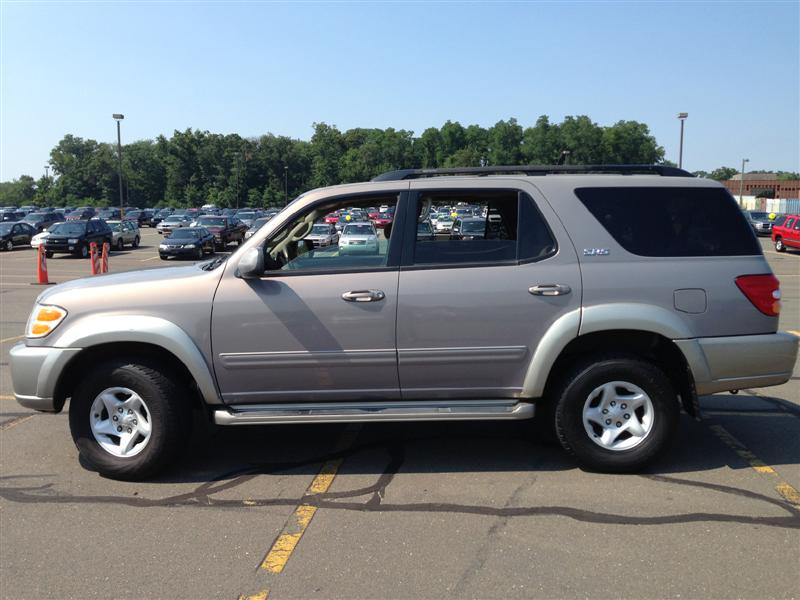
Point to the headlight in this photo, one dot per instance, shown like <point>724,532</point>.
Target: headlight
<point>72,241</point>
<point>43,320</point>
<point>189,246</point>
<point>163,246</point>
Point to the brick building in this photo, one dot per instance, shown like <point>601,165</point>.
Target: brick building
<point>755,182</point>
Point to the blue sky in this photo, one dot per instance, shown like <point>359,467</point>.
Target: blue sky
<point>257,67</point>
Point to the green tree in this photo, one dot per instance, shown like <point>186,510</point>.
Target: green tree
<point>723,173</point>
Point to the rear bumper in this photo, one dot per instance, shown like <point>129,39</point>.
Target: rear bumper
<point>35,372</point>
<point>738,362</point>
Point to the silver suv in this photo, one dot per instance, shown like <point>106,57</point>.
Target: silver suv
<point>602,298</point>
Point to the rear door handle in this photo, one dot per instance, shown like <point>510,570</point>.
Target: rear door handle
<point>550,289</point>
<point>364,296</point>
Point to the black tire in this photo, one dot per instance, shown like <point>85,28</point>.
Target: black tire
<point>213,250</point>
<point>9,246</point>
<point>136,242</point>
<point>574,389</point>
<point>48,254</point>
<point>83,251</point>
<point>169,412</point>
<point>162,257</point>
<point>779,245</point>
<point>120,244</point>
<point>199,253</point>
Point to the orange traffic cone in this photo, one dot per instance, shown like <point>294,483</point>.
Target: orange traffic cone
<point>94,258</point>
<point>41,268</point>
<point>104,265</point>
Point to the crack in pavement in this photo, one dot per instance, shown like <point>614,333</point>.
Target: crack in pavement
<point>203,496</point>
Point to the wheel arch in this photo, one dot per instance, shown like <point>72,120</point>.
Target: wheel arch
<point>73,371</point>
<point>650,345</point>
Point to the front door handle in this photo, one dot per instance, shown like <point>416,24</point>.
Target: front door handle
<point>364,296</point>
<point>550,289</point>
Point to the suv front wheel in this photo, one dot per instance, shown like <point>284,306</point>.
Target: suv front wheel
<point>129,419</point>
<point>616,414</point>
<point>779,245</point>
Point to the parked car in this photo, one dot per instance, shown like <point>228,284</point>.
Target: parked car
<point>323,235</point>
<point>124,232</point>
<point>173,222</point>
<point>11,216</point>
<point>382,219</point>
<point>191,242</point>
<point>15,234</point>
<point>42,220</point>
<point>109,214</point>
<point>760,222</point>
<point>444,223</point>
<point>247,217</point>
<point>80,214</point>
<point>38,239</point>
<point>160,215</point>
<point>75,237</point>
<point>257,224</point>
<point>578,306</point>
<point>425,231</point>
<point>787,234</point>
<point>468,228</point>
<point>142,217</point>
<point>226,230</point>
<point>358,238</point>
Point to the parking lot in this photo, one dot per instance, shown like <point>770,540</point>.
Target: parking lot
<point>400,510</point>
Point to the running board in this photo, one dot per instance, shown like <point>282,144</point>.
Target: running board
<point>359,412</point>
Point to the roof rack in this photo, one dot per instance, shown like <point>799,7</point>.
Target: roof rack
<point>662,170</point>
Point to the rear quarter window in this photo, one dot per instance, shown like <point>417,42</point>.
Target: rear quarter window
<point>672,222</point>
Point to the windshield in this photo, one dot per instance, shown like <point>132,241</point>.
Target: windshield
<point>444,217</point>
<point>759,215</point>
<point>185,234</point>
<point>5,228</point>
<point>69,229</point>
<point>174,219</point>
<point>472,226</point>
<point>115,225</point>
<point>358,230</point>
<point>76,213</point>
<point>164,212</point>
<point>35,217</point>
<point>213,221</point>
<point>321,229</point>
<point>259,222</point>
<point>246,215</point>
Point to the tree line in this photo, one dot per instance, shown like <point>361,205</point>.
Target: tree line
<point>195,167</point>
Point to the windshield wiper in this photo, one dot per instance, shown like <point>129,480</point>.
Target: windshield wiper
<point>213,263</point>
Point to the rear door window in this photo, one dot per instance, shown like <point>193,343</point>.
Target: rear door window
<point>672,221</point>
<point>489,227</point>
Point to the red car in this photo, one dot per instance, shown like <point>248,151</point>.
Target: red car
<point>332,218</point>
<point>786,232</point>
<point>382,220</point>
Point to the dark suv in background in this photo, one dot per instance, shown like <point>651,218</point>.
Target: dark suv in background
<point>74,237</point>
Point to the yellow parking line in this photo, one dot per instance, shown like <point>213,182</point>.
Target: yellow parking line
<point>6,397</point>
<point>283,546</point>
<point>262,595</point>
<point>11,339</point>
<point>784,489</point>
<point>794,332</point>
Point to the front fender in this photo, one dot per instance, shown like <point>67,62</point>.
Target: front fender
<point>95,330</point>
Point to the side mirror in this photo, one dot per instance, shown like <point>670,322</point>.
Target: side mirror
<point>251,265</point>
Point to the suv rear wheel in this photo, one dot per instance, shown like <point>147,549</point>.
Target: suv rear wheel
<point>616,414</point>
<point>129,419</point>
<point>779,245</point>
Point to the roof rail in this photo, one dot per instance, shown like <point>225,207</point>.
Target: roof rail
<point>662,170</point>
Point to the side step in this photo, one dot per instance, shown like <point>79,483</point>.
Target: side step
<point>359,412</point>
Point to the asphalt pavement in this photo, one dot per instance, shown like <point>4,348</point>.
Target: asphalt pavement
<point>417,510</point>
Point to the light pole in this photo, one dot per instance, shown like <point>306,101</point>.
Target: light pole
<point>564,157</point>
<point>118,117</point>
<point>285,185</point>
<point>47,171</point>
<point>238,167</point>
<point>681,117</point>
<point>741,182</point>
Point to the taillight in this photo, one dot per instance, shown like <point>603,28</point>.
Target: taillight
<point>764,291</point>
